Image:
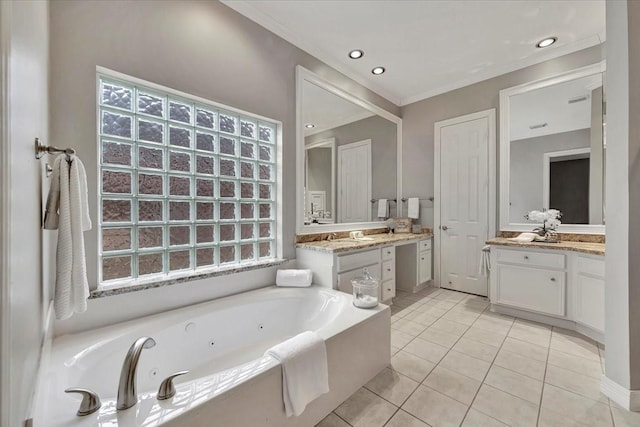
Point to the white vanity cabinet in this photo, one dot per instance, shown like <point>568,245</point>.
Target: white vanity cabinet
<point>350,266</point>
<point>589,297</point>
<point>530,280</point>
<point>562,288</point>
<point>388,275</point>
<point>401,261</point>
<point>414,268</point>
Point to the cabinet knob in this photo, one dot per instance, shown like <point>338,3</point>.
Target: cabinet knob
<point>389,289</point>
<point>422,259</point>
<point>553,279</point>
<point>388,269</point>
<point>526,257</point>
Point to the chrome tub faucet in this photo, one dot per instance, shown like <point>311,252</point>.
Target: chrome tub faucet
<point>127,394</point>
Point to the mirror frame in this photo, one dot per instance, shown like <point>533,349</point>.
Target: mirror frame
<point>302,75</point>
<point>505,149</point>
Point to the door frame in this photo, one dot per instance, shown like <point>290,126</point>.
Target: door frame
<point>341,148</point>
<point>492,179</point>
<point>574,154</point>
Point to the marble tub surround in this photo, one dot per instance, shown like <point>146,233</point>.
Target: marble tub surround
<point>181,278</point>
<point>565,237</point>
<point>348,244</point>
<point>455,363</point>
<point>592,248</point>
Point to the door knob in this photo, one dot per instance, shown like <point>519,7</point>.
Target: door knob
<point>444,227</point>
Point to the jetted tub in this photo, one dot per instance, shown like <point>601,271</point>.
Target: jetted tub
<point>222,343</point>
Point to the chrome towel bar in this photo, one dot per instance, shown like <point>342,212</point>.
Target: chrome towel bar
<point>42,149</point>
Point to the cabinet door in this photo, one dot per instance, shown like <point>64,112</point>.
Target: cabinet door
<point>424,266</point>
<point>590,298</point>
<point>388,290</point>
<point>534,289</point>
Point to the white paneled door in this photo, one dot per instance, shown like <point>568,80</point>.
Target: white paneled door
<point>354,182</point>
<point>463,147</point>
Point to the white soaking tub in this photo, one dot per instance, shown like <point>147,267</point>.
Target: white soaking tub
<point>222,342</point>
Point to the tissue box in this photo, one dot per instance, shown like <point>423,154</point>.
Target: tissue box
<point>403,225</point>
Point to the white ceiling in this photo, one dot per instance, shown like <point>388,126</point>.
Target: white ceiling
<point>551,105</point>
<point>429,47</point>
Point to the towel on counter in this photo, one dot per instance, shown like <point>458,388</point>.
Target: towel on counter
<point>485,261</point>
<point>383,208</point>
<point>305,374</point>
<point>294,278</point>
<point>413,208</point>
<point>67,210</point>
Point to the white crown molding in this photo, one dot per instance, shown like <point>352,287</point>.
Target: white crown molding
<point>628,399</point>
<point>246,9</point>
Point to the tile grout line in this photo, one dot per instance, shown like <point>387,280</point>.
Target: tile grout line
<point>487,374</point>
<point>544,377</point>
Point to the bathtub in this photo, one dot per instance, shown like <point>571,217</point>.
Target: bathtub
<point>222,344</point>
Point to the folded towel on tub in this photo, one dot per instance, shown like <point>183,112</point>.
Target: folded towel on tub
<point>305,375</point>
<point>294,278</point>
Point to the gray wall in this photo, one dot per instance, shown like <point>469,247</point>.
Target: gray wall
<point>384,154</point>
<point>622,293</point>
<point>525,167</point>
<point>23,259</point>
<point>418,119</point>
<point>202,48</point>
<point>319,174</point>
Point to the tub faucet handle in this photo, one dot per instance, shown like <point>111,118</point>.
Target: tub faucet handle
<point>167,390</point>
<point>90,401</point>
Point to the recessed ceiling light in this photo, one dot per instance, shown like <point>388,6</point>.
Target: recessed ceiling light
<point>378,70</point>
<point>356,54</point>
<point>547,42</point>
<point>309,125</point>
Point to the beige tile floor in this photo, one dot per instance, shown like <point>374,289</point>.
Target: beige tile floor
<point>455,363</point>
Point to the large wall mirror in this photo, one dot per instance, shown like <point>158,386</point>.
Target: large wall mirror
<point>348,158</point>
<point>552,151</point>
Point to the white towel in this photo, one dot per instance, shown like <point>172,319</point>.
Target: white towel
<point>413,208</point>
<point>383,208</point>
<point>68,211</point>
<point>294,278</point>
<point>485,261</point>
<point>305,375</point>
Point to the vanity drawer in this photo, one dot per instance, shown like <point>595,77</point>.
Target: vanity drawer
<point>388,270</point>
<point>388,290</point>
<point>592,266</point>
<point>358,260</point>
<point>540,259</point>
<point>388,253</point>
<point>344,279</point>
<point>424,245</point>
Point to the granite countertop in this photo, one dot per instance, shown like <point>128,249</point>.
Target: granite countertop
<point>584,247</point>
<point>344,245</point>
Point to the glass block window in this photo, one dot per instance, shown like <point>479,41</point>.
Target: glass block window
<point>185,185</point>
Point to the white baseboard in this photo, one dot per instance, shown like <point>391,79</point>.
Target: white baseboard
<point>628,399</point>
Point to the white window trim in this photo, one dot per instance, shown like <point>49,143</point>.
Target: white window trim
<point>201,272</point>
